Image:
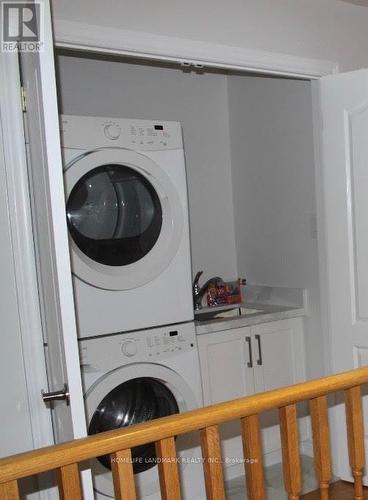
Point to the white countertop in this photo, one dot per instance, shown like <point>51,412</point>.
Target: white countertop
<point>267,313</point>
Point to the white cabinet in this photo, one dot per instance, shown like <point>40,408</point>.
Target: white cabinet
<point>224,358</point>
<point>243,361</point>
<point>278,354</point>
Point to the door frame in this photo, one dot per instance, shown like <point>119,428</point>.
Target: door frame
<point>103,40</point>
<point>190,53</point>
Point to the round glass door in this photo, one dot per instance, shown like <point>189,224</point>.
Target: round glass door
<point>133,393</point>
<point>133,402</point>
<point>114,215</point>
<point>125,218</point>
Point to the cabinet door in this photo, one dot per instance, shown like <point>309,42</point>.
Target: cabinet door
<point>278,354</point>
<point>278,362</point>
<point>224,358</point>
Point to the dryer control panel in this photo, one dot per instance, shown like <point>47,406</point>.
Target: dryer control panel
<point>138,346</point>
<point>89,132</point>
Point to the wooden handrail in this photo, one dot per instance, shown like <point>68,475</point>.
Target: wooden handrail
<point>54,457</point>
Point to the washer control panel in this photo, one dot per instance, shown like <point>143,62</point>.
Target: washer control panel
<point>155,345</point>
<point>138,346</point>
<point>85,132</point>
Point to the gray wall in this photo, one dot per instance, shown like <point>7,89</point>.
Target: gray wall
<point>199,102</point>
<point>272,155</point>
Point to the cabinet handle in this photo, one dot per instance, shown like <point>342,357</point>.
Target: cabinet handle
<point>259,360</point>
<point>250,362</point>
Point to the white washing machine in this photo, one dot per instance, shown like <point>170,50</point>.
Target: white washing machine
<point>138,376</point>
<point>127,213</point>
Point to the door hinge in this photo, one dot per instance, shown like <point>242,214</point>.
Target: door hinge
<point>23,98</point>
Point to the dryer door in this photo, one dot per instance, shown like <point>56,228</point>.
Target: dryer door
<point>124,217</point>
<point>134,394</point>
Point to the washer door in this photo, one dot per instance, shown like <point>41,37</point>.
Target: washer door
<point>134,394</point>
<point>124,217</point>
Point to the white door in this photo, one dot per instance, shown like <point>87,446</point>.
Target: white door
<point>343,101</point>
<point>227,373</point>
<point>278,354</point>
<point>278,362</point>
<point>48,214</point>
<point>226,365</point>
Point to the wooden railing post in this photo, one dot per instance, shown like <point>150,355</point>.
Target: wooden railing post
<point>290,451</point>
<point>123,476</point>
<point>212,463</point>
<point>168,469</point>
<point>9,491</point>
<point>321,443</point>
<point>355,431</point>
<point>69,482</point>
<point>252,447</point>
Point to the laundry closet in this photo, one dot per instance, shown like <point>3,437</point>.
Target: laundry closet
<point>250,166</point>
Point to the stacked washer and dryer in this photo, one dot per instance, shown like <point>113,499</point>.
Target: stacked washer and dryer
<point>127,213</point>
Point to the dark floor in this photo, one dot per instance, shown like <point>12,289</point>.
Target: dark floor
<point>338,491</point>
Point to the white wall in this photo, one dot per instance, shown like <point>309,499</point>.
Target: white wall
<point>272,155</point>
<point>199,102</point>
<point>335,30</point>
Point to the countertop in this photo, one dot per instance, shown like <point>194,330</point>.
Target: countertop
<point>267,313</point>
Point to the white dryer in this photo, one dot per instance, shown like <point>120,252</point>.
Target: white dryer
<point>135,377</point>
<point>127,213</point>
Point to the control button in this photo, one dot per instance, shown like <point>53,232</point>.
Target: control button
<point>112,131</point>
<point>129,348</point>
